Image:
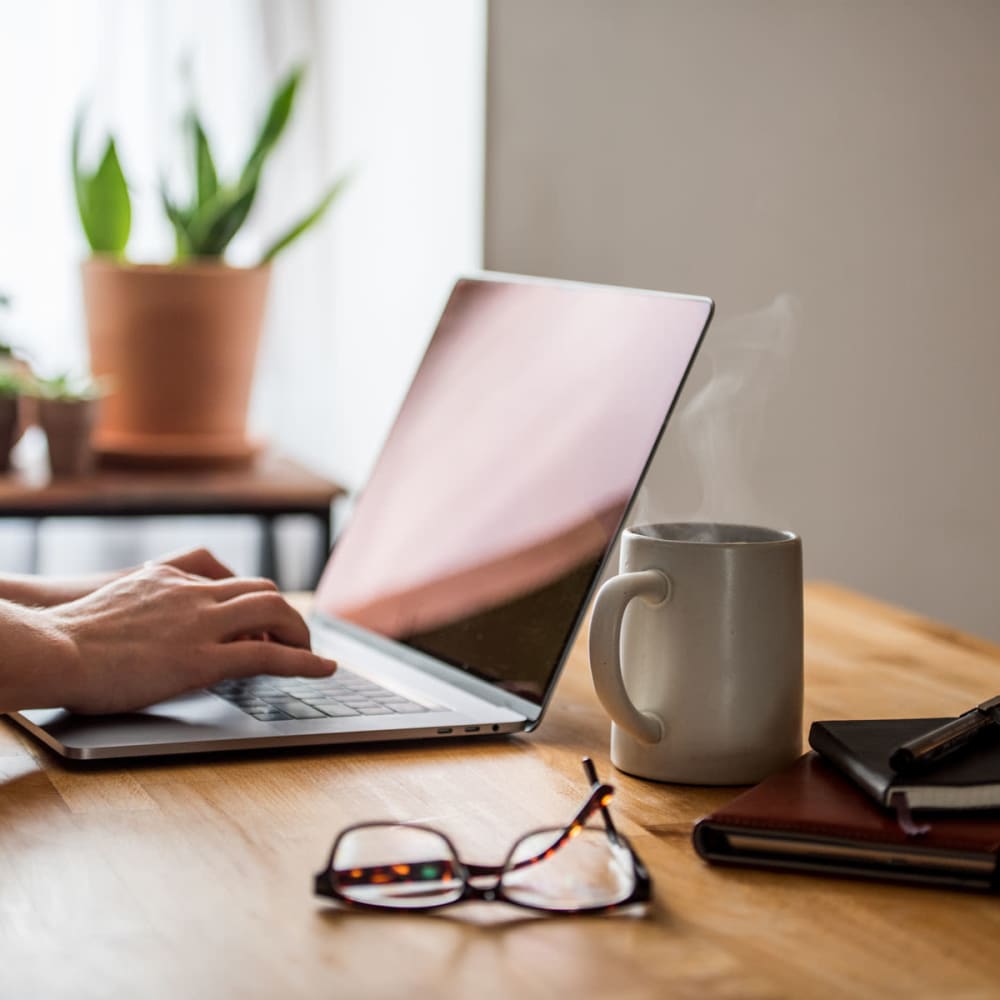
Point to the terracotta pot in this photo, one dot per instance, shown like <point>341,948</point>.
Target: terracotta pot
<point>9,429</point>
<point>26,408</point>
<point>178,345</point>
<point>69,426</point>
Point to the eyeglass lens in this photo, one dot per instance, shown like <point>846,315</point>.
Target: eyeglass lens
<point>397,866</point>
<point>589,871</point>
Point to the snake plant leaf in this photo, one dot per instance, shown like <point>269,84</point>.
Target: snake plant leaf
<point>103,200</point>
<point>180,220</point>
<point>217,222</point>
<point>218,219</point>
<point>307,221</point>
<point>206,176</point>
<point>274,124</point>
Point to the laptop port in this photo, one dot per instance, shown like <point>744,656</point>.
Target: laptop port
<point>444,732</point>
<point>472,729</point>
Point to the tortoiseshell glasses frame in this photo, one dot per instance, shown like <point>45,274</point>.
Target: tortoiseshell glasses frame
<point>483,882</point>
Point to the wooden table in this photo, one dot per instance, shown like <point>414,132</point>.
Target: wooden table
<point>194,879</point>
<point>272,487</point>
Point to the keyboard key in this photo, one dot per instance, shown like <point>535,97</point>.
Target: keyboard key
<point>267,715</point>
<point>302,711</point>
<point>336,711</point>
<point>406,706</point>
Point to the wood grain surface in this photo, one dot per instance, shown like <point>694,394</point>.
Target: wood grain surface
<point>192,879</point>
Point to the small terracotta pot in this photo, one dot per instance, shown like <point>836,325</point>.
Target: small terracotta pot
<point>26,405</point>
<point>178,346</point>
<point>69,426</point>
<point>9,429</point>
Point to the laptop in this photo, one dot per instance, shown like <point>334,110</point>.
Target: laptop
<point>453,595</point>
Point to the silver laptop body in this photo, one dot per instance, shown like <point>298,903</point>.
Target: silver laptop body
<point>452,598</point>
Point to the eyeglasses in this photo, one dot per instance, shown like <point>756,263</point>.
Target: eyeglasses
<point>578,868</point>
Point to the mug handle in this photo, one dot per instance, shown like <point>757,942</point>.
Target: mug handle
<point>605,648</point>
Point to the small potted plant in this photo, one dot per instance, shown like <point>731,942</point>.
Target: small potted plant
<point>6,349</point>
<point>13,364</point>
<point>9,361</point>
<point>11,388</point>
<point>180,340</point>
<point>67,412</point>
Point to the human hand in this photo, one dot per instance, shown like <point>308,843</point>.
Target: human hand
<point>161,631</point>
<point>200,562</point>
<point>44,591</point>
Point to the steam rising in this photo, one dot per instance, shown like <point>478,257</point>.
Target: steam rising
<point>715,436</point>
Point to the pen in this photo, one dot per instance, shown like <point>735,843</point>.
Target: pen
<point>943,741</point>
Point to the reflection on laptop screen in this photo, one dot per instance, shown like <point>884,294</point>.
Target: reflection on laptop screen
<point>509,468</point>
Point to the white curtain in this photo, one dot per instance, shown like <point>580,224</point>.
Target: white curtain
<point>394,93</point>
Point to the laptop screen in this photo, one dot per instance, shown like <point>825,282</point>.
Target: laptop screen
<point>507,473</point>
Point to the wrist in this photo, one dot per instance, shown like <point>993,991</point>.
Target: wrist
<point>41,666</point>
<point>47,592</point>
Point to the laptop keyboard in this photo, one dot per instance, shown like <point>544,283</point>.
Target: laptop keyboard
<point>276,699</point>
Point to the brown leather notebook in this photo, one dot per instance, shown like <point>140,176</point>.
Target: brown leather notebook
<point>810,819</point>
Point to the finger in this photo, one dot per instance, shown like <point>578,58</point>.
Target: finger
<point>201,562</point>
<point>236,586</point>
<point>267,612</point>
<point>247,658</point>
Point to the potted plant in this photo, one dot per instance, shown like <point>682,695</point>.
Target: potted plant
<point>9,361</point>
<point>11,389</point>
<point>13,364</point>
<point>180,340</point>
<point>67,413</point>
<point>6,349</point>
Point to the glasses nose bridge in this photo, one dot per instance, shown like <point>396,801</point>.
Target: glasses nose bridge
<point>483,881</point>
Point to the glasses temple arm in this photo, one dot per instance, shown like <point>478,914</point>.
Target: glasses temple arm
<point>591,772</point>
<point>596,801</point>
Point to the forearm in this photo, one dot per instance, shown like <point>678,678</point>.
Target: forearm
<point>37,662</point>
<point>45,592</point>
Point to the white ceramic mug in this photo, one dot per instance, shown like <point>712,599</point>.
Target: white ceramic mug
<point>696,652</point>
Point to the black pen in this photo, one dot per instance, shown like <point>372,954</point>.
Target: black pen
<point>944,740</point>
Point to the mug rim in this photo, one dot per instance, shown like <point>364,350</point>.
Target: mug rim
<point>759,535</point>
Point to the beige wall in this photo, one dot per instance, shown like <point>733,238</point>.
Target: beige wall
<point>838,162</point>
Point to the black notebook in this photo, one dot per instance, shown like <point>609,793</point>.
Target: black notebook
<point>970,779</point>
